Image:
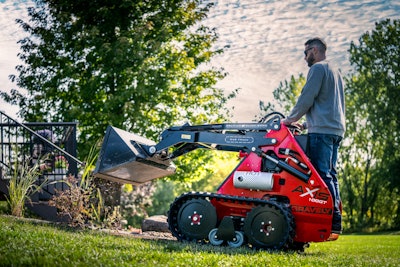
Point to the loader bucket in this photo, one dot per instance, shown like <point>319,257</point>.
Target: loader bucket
<point>123,159</point>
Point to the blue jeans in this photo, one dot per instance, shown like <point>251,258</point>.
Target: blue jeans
<point>323,152</point>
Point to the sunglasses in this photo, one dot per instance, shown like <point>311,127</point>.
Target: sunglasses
<point>306,51</point>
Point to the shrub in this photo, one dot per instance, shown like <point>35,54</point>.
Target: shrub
<point>72,202</point>
<point>83,202</point>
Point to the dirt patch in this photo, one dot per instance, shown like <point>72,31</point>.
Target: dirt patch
<point>138,233</point>
<point>154,228</point>
<point>130,232</point>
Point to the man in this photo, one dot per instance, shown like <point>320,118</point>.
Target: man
<point>322,101</point>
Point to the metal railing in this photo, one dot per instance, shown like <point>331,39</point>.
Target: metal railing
<point>51,147</point>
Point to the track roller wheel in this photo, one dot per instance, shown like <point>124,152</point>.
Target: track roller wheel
<point>212,236</point>
<point>239,240</point>
<point>196,218</point>
<point>267,227</point>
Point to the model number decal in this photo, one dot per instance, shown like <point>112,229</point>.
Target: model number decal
<point>314,195</point>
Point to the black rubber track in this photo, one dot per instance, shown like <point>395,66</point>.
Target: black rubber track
<point>284,243</point>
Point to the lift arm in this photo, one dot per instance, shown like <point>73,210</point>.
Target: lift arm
<point>129,158</point>
<point>227,137</point>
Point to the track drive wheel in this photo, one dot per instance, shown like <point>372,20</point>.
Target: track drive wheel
<point>268,227</point>
<point>196,218</point>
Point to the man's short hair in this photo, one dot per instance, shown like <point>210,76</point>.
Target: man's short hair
<point>317,42</point>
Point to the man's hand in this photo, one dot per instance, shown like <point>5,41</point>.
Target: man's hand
<point>293,124</point>
<point>298,125</point>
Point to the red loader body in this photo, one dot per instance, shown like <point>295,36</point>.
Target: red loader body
<point>273,199</point>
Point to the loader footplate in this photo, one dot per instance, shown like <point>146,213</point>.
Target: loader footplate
<point>269,224</point>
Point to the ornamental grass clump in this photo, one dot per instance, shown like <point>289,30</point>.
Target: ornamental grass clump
<point>23,184</point>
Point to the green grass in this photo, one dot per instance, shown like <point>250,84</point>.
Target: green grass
<point>26,243</point>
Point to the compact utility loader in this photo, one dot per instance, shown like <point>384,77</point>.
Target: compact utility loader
<point>273,199</point>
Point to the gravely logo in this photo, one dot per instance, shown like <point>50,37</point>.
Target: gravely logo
<point>314,210</point>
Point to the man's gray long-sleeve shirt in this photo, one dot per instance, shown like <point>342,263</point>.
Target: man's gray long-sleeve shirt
<point>322,101</point>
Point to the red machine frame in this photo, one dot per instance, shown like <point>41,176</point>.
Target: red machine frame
<point>275,198</point>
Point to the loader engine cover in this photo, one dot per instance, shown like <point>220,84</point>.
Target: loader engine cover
<point>123,159</point>
<point>253,180</point>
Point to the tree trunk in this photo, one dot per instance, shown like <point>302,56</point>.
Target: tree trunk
<point>364,199</point>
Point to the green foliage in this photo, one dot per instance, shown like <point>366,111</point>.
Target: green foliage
<point>135,200</point>
<point>24,243</point>
<point>371,157</point>
<point>163,196</point>
<point>222,165</point>
<point>3,207</point>
<point>137,65</point>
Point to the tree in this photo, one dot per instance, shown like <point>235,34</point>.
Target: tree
<point>138,65</point>
<point>373,123</point>
<point>134,64</point>
<point>376,60</point>
<point>357,156</point>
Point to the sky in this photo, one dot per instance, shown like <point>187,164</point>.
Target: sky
<point>265,39</point>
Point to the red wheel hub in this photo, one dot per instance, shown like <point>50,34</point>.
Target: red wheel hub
<point>196,218</point>
<point>267,228</point>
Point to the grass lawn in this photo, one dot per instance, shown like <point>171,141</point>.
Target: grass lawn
<point>26,243</point>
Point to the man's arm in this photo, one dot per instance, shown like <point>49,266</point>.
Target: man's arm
<point>308,94</point>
